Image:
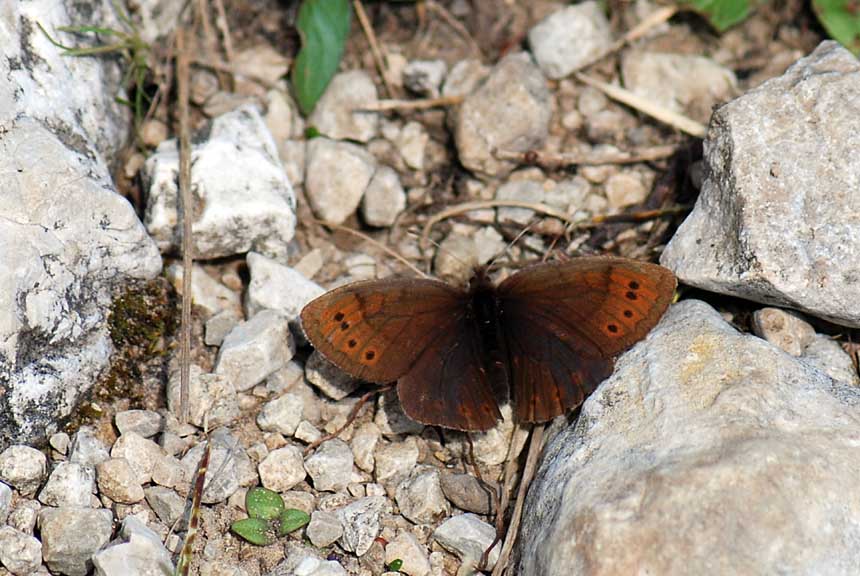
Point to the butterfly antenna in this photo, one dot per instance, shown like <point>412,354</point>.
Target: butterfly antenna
<point>511,244</point>
<point>441,248</point>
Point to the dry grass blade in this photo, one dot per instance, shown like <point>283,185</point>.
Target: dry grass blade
<point>387,105</point>
<point>443,13</point>
<point>183,565</point>
<point>182,78</point>
<point>378,58</point>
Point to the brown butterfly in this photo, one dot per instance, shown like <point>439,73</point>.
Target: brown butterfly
<point>546,335</point>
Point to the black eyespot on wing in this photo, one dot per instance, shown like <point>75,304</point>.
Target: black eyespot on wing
<point>338,317</point>
<point>612,328</point>
<point>631,295</point>
<point>370,355</point>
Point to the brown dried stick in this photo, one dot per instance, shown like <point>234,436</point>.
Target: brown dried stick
<point>386,105</point>
<point>378,58</point>
<point>182,79</point>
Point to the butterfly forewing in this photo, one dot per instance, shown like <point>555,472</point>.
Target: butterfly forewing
<point>564,323</point>
<point>376,330</point>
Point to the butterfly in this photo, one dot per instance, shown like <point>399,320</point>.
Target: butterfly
<point>546,336</point>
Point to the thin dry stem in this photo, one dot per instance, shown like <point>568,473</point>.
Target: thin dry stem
<point>551,160</point>
<point>375,50</point>
<point>386,105</point>
<point>528,474</point>
<point>182,78</point>
<point>224,26</point>
<point>659,113</point>
<point>443,13</point>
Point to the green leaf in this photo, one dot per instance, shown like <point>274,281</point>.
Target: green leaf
<point>254,530</point>
<point>263,503</point>
<point>841,19</point>
<point>291,520</point>
<point>396,565</point>
<point>722,14</point>
<point>323,26</point>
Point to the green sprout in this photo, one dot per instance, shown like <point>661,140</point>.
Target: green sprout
<point>268,518</point>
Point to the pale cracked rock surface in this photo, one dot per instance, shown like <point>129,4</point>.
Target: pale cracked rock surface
<point>70,484</point>
<point>510,111</point>
<point>336,176</point>
<point>330,466</point>
<point>708,451</point>
<point>361,523</point>
<point>770,224</point>
<point>246,201</point>
<point>71,535</point>
<point>570,38</point>
<point>277,287</point>
<point>255,349</point>
<point>333,114</point>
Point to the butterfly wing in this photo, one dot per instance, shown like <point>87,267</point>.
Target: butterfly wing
<point>414,331</point>
<point>563,324</point>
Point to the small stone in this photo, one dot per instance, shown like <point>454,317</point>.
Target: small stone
<point>23,517</point>
<point>424,77</point>
<point>625,189</point>
<point>227,458</point>
<point>70,536</point>
<point>298,500</point>
<point>285,378</point>
<point>294,156</point>
<point>23,468</point>
<point>277,287</point>
<point>118,481</point>
<point>570,38</point>
<point>5,502</point>
<point>212,398</point>
<point>328,378</point>
<point>219,325</point>
<point>390,416</point>
<point>334,114</point>
<point>829,357</point>
<point>145,422</point>
<point>141,453</point>
<point>282,469</point>
<point>785,330</point>
<point>467,536</point>
<point>394,461</point>
<point>142,554</point>
<point>336,176</point>
<point>384,198</point>
<point>166,503</point>
<point>412,143</point>
<point>70,484</point>
<point>60,442</point>
<point>153,132</point>
<point>86,449</point>
<point>330,466</point>
<point>465,77</point>
<point>281,415</point>
<point>521,191</point>
<point>420,496</point>
<point>20,554</point>
<point>311,566</point>
<point>324,529</point>
<point>255,349</point>
<point>361,266</point>
<point>363,443</point>
<point>206,292</point>
<point>307,432</point>
<point>279,117</point>
<point>360,522</point>
<point>466,492</point>
<point>410,552</point>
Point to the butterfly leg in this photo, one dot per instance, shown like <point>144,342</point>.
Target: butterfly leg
<point>353,414</point>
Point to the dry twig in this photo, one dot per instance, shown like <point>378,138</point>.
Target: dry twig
<point>378,58</point>
<point>552,161</point>
<point>386,105</point>
<point>455,24</point>
<point>182,79</point>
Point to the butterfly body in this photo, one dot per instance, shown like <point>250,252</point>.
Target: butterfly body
<point>545,337</point>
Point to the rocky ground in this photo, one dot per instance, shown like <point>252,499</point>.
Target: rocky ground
<point>725,442</point>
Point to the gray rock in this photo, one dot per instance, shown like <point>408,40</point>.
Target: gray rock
<point>467,536</point>
<point>118,481</point>
<point>336,176</point>
<point>334,114</point>
<point>384,198</point>
<point>420,496</point>
<point>330,466</point>
<point>60,442</point>
<point>570,38</point>
<point>142,453</point>
<point>166,503</point>
<point>282,469</point>
<point>307,432</point>
<point>24,468</point>
<point>412,143</point>
<point>255,349</point>
<point>5,502</point>
<point>361,523</point>
<point>20,554</point>
<point>142,554</point>
<point>510,111</point>
<point>410,552</point>
<point>207,293</point>
<point>460,253</point>
<point>23,517</point>
<point>695,419</point>
<point>625,189</point>
<point>298,500</point>
<point>70,536</point>
<point>828,356</point>
<point>683,83</point>
<point>395,460</point>
<point>425,77</point>
<point>226,459</point>
<point>277,287</point>
<point>785,330</point>
<point>219,325</point>
<point>324,529</point>
<point>212,398</point>
<point>281,415</point>
<point>70,484</point>
<point>145,422</point>
<point>465,492</point>
<point>770,225</point>
<point>465,77</point>
<point>240,210</point>
<point>521,191</point>
<point>87,449</point>
<point>313,566</point>
<point>363,444</point>
<point>328,378</point>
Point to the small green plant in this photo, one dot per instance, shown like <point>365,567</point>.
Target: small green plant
<point>268,518</point>
<point>323,26</point>
<point>395,565</point>
<point>127,43</point>
<point>841,19</point>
